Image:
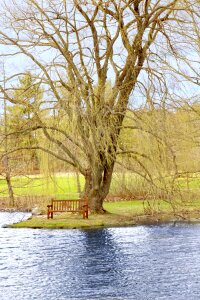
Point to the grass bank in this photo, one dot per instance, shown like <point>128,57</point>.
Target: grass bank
<point>118,214</point>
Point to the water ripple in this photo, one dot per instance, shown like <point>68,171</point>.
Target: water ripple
<point>144,262</point>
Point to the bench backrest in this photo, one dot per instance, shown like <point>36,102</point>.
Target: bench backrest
<point>68,205</point>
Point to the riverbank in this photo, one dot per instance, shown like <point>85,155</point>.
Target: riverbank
<point>127,213</point>
<point>68,222</point>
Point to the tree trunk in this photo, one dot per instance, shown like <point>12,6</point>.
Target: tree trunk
<point>6,159</point>
<point>78,184</point>
<point>97,185</point>
<point>8,180</point>
<point>10,189</point>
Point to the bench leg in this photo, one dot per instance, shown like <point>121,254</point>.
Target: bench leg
<point>49,213</point>
<point>85,213</point>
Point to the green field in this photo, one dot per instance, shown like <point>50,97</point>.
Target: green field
<point>61,184</point>
<point>120,213</point>
<point>65,184</point>
<point>36,186</point>
<point>192,182</point>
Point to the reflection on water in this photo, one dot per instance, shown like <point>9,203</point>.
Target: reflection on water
<point>144,262</point>
<point>102,268</point>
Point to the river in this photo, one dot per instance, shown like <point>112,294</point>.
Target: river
<point>143,262</point>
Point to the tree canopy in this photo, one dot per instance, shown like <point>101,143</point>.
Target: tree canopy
<point>95,59</point>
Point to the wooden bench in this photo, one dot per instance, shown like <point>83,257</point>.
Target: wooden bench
<point>69,205</point>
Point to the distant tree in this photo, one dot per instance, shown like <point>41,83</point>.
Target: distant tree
<point>21,117</point>
<point>16,117</point>
<point>6,167</point>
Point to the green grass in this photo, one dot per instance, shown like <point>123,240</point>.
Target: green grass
<point>36,186</point>
<point>192,183</point>
<point>118,214</point>
<point>59,185</point>
<point>67,184</point>
<point>62,184</point>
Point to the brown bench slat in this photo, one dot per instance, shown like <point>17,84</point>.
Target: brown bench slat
<point>68,205</point>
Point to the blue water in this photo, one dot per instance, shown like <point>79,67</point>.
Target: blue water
<point>144,262</point>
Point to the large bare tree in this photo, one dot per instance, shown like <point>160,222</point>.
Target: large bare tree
<point>90,56</point>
